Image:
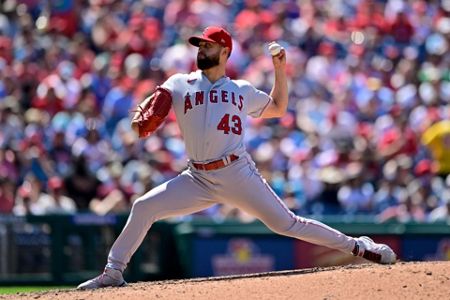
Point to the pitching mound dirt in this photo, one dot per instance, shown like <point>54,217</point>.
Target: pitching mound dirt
<point>421,280</point>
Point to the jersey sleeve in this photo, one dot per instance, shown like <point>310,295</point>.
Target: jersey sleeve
<point>257,101</point>
<point>171,83</point>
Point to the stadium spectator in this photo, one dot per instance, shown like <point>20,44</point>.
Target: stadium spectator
<point>6,196</point>
<point>27,198</point>
<point>437,139</point>
<point>55,202</point>
<point>81,183</point>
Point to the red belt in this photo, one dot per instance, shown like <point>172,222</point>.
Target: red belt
<point>217,164</point>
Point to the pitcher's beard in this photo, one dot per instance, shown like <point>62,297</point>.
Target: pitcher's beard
<point>207,62</point>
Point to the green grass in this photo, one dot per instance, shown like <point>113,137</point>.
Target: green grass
<point>29,289</point>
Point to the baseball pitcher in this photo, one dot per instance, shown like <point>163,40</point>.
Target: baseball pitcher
<point>211,110</point>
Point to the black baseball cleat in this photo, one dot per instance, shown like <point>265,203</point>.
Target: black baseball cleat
<point>379,253</point>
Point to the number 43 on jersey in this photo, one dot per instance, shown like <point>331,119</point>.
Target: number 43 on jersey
<point>235,126</point>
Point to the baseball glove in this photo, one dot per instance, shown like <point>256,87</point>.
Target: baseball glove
<point>152,112</point>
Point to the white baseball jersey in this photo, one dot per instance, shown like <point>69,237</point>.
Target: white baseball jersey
<point>212,116</point>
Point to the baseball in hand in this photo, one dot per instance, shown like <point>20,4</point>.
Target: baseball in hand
<point>274,48</point>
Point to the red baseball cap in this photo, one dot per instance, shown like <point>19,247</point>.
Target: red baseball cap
<point>55,183</point>
<point>213,34</point>
<point>425,166</point>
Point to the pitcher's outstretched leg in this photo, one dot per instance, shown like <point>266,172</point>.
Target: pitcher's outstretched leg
<point>257,198</point>
<point>179,196</point>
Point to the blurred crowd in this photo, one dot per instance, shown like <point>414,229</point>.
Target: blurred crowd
<point>367,131</point>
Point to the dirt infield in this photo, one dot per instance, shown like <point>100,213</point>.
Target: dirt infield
<point>421,280</point>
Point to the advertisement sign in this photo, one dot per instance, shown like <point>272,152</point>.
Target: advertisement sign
<point>221,256</point>
<point>422,248</point>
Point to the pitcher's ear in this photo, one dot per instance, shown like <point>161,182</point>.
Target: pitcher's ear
<point>228,52</point>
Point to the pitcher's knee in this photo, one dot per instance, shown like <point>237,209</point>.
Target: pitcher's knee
<point>141,206</point>
<point>149,207</point>
<point>283,228</point>
<point>289,227</point>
